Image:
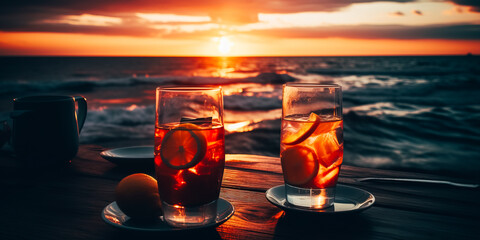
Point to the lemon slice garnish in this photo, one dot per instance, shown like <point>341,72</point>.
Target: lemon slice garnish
<point>183,147</point>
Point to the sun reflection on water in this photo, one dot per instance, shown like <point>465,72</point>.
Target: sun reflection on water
<point>239,126</point>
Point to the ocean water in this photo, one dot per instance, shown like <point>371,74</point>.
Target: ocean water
<point>419,113</point>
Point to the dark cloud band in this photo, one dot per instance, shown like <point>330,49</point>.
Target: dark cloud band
<point>30,16</point>
<point>474,4</point>
<point>458,32</point>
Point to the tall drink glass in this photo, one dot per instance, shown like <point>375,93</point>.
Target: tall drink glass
<point>189,153</point>
<point>311,148</point>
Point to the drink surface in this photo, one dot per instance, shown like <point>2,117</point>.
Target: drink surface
<point>311,151</point>
<point>189,166</point>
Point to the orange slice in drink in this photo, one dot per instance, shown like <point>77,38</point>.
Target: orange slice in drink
<point>328,149</point>
<point>328,179</point>
<point>299,164</point>
<point>307,129</point>
<point>334,157</point>
<point>182,147</point>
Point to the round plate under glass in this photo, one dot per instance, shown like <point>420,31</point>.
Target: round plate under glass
<point>112,215</point>
<point>130,156</point>
<point>347,200</point>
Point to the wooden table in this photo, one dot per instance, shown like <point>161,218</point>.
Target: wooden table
<point>67,205</point>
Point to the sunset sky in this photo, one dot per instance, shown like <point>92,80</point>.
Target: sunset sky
<point>239,28</point>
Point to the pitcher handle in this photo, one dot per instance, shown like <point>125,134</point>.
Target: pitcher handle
<point>82,111</point>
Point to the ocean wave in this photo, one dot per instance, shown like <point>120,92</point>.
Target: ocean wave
<point>249,103</point>
<point>263,139</point>
<point>386,72</point>
<point>392,135</point>
<point>119,123</point>
<point>397,66</point>
<point>399,112</point>
<point>388,108</point>
<point>13,87</point>
<point>52,86</point>
<point>137,122</point>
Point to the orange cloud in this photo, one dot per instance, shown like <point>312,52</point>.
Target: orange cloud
<point>417,12</point>
<point>172,27</point>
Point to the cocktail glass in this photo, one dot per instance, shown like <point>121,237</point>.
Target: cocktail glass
<point>311,148</point>
<point>189,153</point>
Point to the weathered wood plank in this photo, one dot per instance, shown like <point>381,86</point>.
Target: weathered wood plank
<point>439,199</point>
<point>59,208</point>
<point>258,173</point>
<point>67,205</point>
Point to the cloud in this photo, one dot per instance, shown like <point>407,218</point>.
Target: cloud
<point>190,6</point>
<point>86,19</point>
<point>21,15</point>
<point>398,13</point>
<point>27,12</point>
<point>473,4</point>
<point>175,18</point>
<point>459,9</point>
<point>74,24</point>
<point>178,18</point>
<point>437,31</point>
<point>365,31</point>
<point>417,12</point>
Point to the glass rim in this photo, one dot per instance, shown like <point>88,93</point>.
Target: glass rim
<point>188,88</point>
<point>312,85</point>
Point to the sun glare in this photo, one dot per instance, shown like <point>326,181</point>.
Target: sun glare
<point>224,44</point>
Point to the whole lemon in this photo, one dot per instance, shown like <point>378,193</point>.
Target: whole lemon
<point>137,196</point>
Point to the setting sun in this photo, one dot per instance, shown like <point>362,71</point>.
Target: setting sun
<point>224,44</point>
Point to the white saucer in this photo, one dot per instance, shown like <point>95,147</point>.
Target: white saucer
<point>347,200</point>
<point>112,215</point>
<point>131,156</point>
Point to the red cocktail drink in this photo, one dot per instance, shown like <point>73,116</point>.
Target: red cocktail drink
<point>189,153</point>
<point>189,163</point>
